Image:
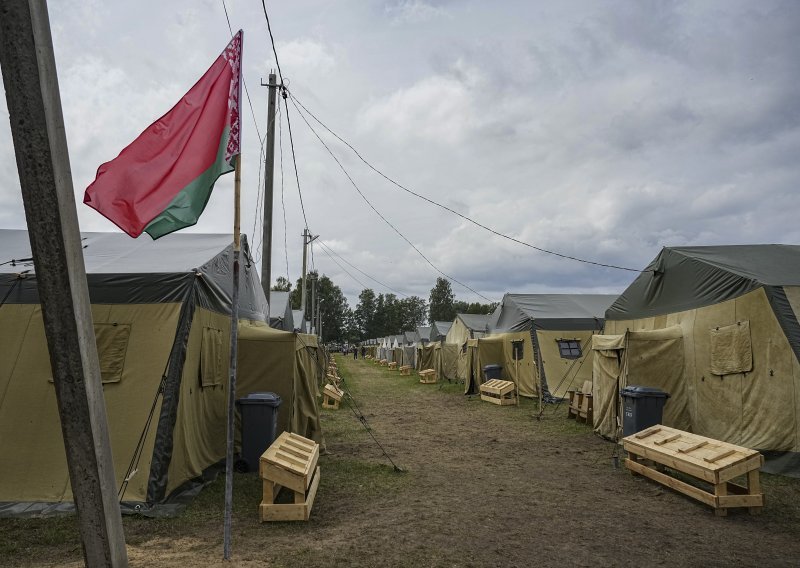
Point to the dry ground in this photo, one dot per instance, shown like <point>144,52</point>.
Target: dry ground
<point>484,486</point>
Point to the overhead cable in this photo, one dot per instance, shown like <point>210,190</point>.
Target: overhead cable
<point>327,246</point>
<point>449,209</point>
<point>385,220</point>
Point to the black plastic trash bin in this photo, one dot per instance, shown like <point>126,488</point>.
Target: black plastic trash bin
<point>259,411</point>
<point>492,372</point>
<point>642,407</point>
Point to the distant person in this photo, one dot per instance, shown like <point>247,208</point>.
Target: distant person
<point>363,351</point>
<point>355,352</point>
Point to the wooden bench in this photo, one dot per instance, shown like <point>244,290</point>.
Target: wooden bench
<point>581,404</point>
<point>290,462</point>
<point>703,459</point>
<point>392,366</point>
<point>427,376</point>
<point>405,370</point>
<point>499,392</point>
<point>332,396</point>
<point>384,362</point>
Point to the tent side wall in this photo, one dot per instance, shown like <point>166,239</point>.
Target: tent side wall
<point>134,345</point>
<point>564,374</point>
<point>199,436</point>
<point>498,349</point>
<point>756,408</point>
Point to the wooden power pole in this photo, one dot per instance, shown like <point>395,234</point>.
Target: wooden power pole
<point>307,240</point>
<point>40,144</point>
<point>269,167</point>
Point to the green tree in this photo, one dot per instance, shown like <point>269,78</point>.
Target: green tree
<point>462,307</point>
<point>332,305</point>
<point>414,312</point>
<point>364,314</point>
<point>282,285</point>
<point>441,301</point>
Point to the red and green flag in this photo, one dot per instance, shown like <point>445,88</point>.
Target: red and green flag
<point>162,181</point>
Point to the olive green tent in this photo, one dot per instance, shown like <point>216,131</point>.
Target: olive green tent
<point>465,327</point>
<point>289,364</point>
<point>161,315</point>
<point>560,327</point>
<point>717,328</point>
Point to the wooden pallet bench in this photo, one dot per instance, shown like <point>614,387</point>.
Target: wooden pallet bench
<point>581,403</point>
<point>393,366</point>
<point>704,459</point>
<point>405,370</point>
<point>427,376</point>
<point>331,396</point>
<point>290,462</point>
<point>499,392</point>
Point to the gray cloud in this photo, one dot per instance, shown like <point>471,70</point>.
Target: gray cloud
<point>600,130</point>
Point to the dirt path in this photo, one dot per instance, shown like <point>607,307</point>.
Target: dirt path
<point>485,486</point>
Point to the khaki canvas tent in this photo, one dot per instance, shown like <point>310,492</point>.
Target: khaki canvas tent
<point>280,311</point>
<point>161,315</point>
<point>717,328</point>
<point>423,334</point>
<point>439,330</point>
<point>299,322</point>
<point>464,328</point>
<point>289,364</point>
<point>554,332</point>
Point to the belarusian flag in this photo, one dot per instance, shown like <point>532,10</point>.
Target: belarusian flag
<point>162,181</point>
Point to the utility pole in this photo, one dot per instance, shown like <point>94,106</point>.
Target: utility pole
<point>313,317</point>
<point>269,166</point>
<point>40,144</point>
<point>307,240</point>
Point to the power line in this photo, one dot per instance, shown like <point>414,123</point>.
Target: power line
<point>246,92</point>
<point>272,41</point>
<point>450,210</point>
<point>294,159</point>
<point>363,286</point>
<point>385,220</point>
<point>288,120</point>
<point>327,246</point>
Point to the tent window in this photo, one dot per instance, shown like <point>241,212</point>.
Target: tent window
<point>569,348</point>
<point>731,349</point>
<point>112,345</point>
<point>211,358</point>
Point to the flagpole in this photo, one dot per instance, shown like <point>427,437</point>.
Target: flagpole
<point>226,552</point>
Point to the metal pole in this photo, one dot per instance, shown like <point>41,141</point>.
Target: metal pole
<point>269,165</point>
<point>237,245</point>
<point>40,144</point>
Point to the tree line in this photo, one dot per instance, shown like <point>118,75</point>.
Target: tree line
<point>376,315</point>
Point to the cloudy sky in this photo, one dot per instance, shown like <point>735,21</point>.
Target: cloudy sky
<point>603,130</point>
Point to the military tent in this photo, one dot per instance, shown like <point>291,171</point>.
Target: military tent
<point>439,330</point>
<point>289,364</point>
<point>280,310</point>
<point>299,322</point>
<point>558,343</point>
<point>717,328</point>
<point>465,327</point>
<point>161,315</point>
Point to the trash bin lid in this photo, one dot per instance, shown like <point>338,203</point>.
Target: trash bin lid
<point>492,367</point>
<point>261,398</point>
<point>634,391</point>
